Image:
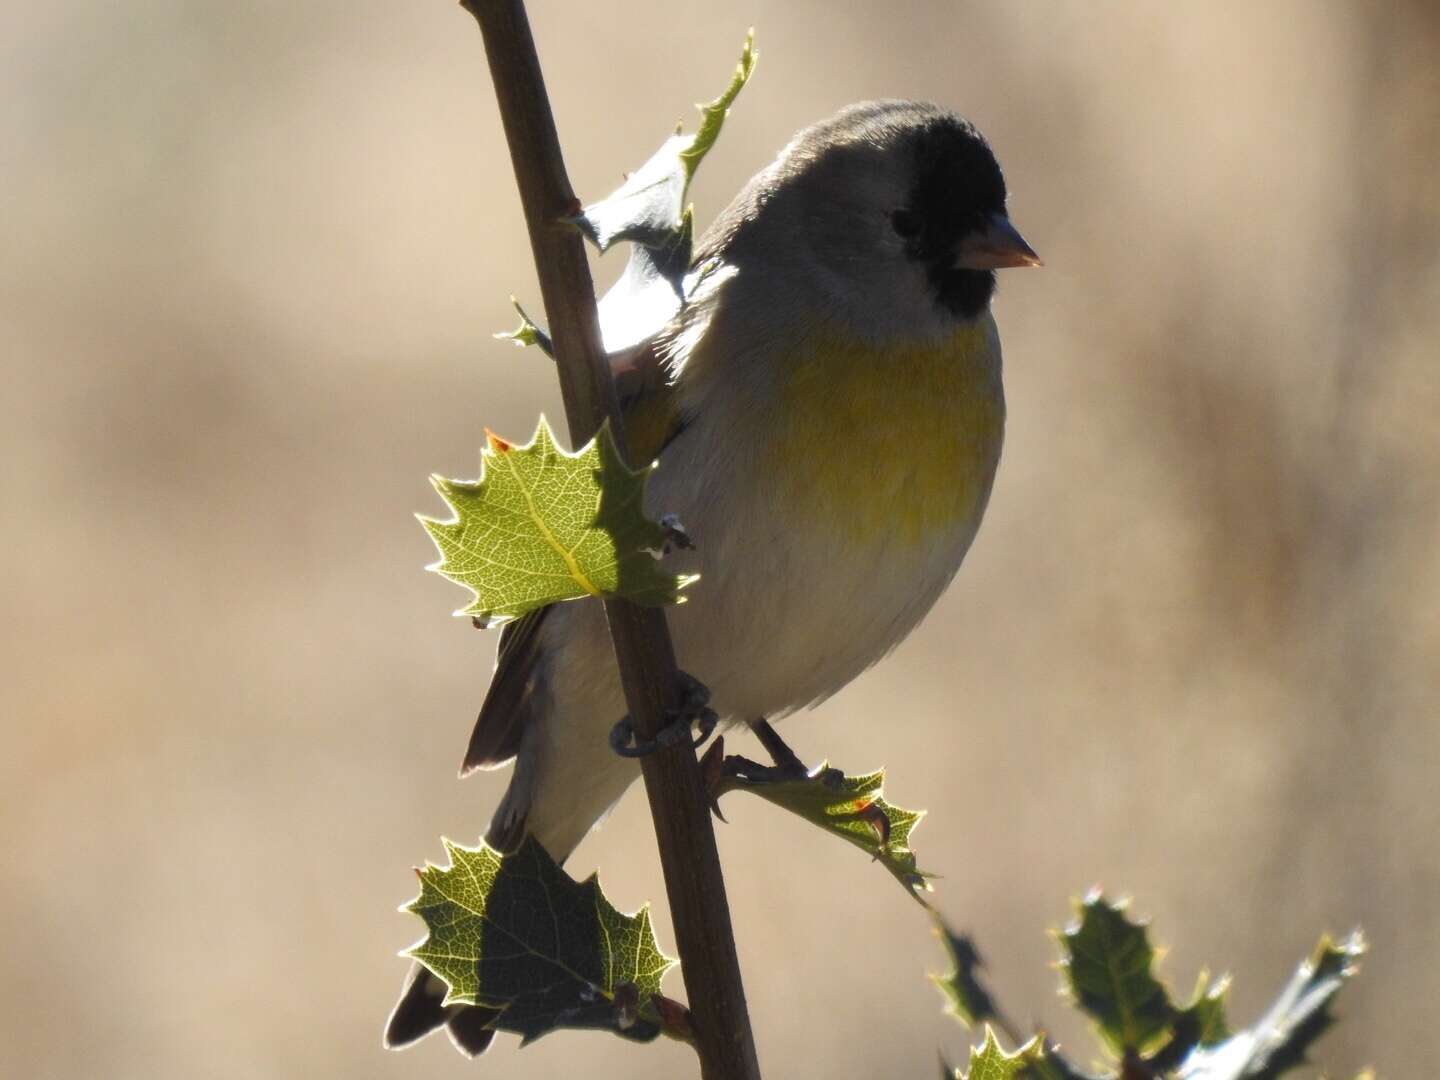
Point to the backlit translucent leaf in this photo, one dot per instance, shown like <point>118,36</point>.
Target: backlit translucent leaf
<point>542,525</point>
<point>649,210</point>
<point>648,207</point>
<point>519,935</point>
<point>851,807</point>
<point>989,1062</point>
<point>712,116</point>
<point>527,333</point>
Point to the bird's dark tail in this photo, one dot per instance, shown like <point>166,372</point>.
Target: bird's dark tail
<point>420,1011</point>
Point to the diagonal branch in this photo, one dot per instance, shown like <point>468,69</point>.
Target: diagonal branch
<point>643,648</point>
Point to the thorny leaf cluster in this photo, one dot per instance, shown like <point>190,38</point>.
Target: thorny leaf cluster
<point>1108,971</point>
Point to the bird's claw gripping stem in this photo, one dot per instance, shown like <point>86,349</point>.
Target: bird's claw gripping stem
<point>718,769</point>
<point>787,764</point>
<point>694,708</point>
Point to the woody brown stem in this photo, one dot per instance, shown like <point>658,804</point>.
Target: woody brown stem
<point>643,650</point>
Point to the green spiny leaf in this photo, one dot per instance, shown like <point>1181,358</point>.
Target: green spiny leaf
<point>970,1003</point>
<point>851,807</point>
<point>989,1062</point>
<point>965,999</point>
<point>1279,1042</point>
<point>649,210</point>
<point>1205,1013</point>
<point>518,935</point>
<point>1200,1023</point>
<point>527,333</point>
<point>713,115</point>
<point>543,525</point>
<point>1107,963</point>
<point>648,207</point>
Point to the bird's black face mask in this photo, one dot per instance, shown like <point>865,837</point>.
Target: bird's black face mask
<point>959,192</point>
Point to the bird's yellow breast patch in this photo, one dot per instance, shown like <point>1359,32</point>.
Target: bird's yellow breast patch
<point>899,442</point>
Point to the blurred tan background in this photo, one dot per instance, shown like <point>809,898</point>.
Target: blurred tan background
<point>252,256</point>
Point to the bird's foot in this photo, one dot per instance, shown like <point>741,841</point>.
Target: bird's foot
<point>694,708</point>
<point>718,769</point>
<point>788,765</point>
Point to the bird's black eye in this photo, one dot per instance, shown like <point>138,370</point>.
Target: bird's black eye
<point>906,223</point>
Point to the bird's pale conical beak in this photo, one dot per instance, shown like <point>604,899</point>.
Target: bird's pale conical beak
<point>996,246</point>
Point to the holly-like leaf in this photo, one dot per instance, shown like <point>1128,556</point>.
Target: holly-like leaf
<point>1107,963</point>
<point>851,807</point>
<point>1205,1014</point>
<point>965,999</point>
<point>542,525</point>
<point>1279,1042</point>
<point>970,1004</point>
<point>989,1062</point>
<point>649,206</point>
<point>1200,1023</point>
<point>712,116</point>
<point>528,333</point>
<point>649,210</point>
<point>518,935</point>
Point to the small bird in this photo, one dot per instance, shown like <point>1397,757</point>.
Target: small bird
<point>827,411</point>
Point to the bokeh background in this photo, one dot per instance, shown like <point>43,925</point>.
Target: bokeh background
<point>252,257</point>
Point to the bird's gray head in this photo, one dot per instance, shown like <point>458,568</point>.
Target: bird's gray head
<point>890,215</point>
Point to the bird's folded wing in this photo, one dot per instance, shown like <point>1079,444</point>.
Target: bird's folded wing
<point>506,710</point>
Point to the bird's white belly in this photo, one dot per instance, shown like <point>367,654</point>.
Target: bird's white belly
<point>792,614</point>
<point>833,518</point>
